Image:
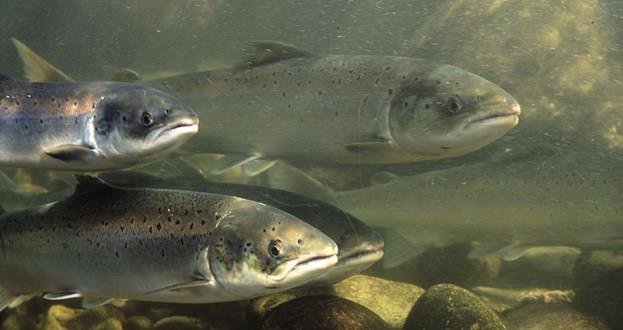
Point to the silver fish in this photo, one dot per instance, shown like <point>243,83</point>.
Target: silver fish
<point>88,126</point>
<point>286,104</point>
<point>359,246</point>
<point>508,205</point>
<point>156,245</point>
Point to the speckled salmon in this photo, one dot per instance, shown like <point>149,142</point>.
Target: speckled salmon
<point>284,103</point>
<point>359,246</point>
<point>88,126</point>
<point>156,245</point>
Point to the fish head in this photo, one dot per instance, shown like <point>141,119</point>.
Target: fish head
<point>258,249</point>
<point>134,124</point>
<point>449,112</point>
<point>359,248</point>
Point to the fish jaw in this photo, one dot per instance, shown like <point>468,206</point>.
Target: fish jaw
<point>349,265</point>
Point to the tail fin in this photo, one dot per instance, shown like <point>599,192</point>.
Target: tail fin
<point>36,68</point>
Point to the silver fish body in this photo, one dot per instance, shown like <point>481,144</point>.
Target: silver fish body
<point>359,246</point>
<point>508,205</point>
<point>88,126</point>
<point>343,108</point>
<point>156,245</point>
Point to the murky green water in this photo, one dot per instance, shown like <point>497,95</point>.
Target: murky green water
<point>531,223</point>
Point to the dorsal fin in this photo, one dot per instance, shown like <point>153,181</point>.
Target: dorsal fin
<point>264,52</point>
<point>89,184</point>
<point>36,68</point>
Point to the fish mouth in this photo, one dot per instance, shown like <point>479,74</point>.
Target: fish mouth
<point>182,127</point>
<point>306,270</point>
<point>317,262</point>
<point>501,116</point>
<point>362,256</point>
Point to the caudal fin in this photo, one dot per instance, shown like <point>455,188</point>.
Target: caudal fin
<point>36,68</point>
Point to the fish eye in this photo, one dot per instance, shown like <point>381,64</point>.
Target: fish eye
<point>275,248</point>
<point>454,105</point>
<point>146,119</point>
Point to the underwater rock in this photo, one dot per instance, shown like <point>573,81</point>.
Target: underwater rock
<point>15,322</point>
<point>62,317</point>
<point>599,286</point>
<point>322,312</point>
<point>541,316</point>
<point>448,264</point>
<point>385,298</point>
<point>447,306</point>
<point>180,323</point>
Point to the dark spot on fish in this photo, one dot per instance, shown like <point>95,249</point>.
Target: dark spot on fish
<point>225,80</point>
<point>162,253</point>
<point>97,244</point>
<point>140,242</point>
<point>333,81</point>
<point>25,126</point>
<point>319,93</point>
<point>93,105</point>
<point>66,99</point>
<point>122,228</point>
<point>151,230</point>
<point>406,104</point>
<point>203,222</point>
<point>199,211</point>
<point>35,103</point>
<point>16,102</point>
<point>274,73</point>
<point>75,104</point>
<point>427,105</point>
<point>177,222</point>
<point>298,84</point>
<point>191,226</point>
<point>275,82</point>
<point>376,82</point>
<point>125,246</point>
<point>309,82</point>
<point>263,230</point>
<point>159,211</point>
<point>283,94</point>
<point>158,226</point>
<point>169,219</point>
<point>390,91</point>
<point>404,77</point>
<point>273,228</point>
<point>438,82</point>
<point>53,99</point>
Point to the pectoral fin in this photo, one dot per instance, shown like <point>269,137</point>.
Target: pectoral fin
<point>92,302</point>
<point>374,144</point>
<point>229,162</point>
<point>71,152</point>
<point>62,295</point>
<point>181,286</point>
<point>257,166</point>
<point>508,252</point>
